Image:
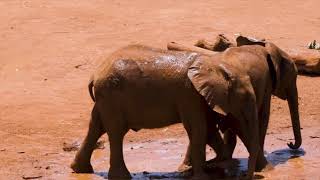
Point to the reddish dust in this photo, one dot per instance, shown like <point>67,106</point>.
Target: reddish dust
<point>48,49</point>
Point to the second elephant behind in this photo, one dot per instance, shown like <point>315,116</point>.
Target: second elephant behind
<point>271,72</point>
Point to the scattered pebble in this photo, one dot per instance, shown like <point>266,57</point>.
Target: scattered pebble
<point>169,142</point>
<point>37,167</point>
<point>71,147</point>
<point>31,177</point>
<point>46,154</point>
<point>68,147</point>
<point>281,139</point>
<point>313,137</point>
<point>79,65</point>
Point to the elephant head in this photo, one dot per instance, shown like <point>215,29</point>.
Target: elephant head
<point>284,86</point>
<point>228,90</point>
<point>283,73</point>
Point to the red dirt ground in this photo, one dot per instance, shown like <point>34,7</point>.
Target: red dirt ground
<point>48,49</point>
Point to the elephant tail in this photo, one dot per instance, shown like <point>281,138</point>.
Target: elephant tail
<point>90,87</point>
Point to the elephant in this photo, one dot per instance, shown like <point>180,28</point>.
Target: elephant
<point>140,87</point>
<point>271,72</point>
<point>138,83</point>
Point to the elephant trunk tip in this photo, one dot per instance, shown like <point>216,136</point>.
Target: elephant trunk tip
<point>296,145</point>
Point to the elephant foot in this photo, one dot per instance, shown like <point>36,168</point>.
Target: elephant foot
<point>215,160</point>
<point>81,167</point>
<point>184,168</point>
<point>119,173</point>
<point>245,176</point>
<point>202,176</point>
<point>218,163</point>
<point>262,163</point>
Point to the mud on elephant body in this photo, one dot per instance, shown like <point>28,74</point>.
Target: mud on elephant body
<point>271,72</point>
<point>140,87</point>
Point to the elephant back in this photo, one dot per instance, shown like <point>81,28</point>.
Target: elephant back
<point>140,66</point>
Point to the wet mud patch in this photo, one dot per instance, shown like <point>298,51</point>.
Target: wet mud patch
<point>160,158</point>
<point>283,155</point>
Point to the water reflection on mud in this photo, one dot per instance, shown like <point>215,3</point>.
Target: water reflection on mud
<point>283,155</point>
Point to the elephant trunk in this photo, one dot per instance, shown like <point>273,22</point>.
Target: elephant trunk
<point>294,112</point>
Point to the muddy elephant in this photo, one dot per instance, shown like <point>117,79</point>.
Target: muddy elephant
<point>141,87</point>
<point>271,72</point>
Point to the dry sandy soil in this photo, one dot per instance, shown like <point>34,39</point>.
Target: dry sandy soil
<point>48,49</point>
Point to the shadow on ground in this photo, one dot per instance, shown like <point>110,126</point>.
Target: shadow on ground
<point>283,155</point>
<point>230,169</point>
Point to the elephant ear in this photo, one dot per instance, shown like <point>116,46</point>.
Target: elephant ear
<point>281,65</point>
<point>213,81</point>
<point>274,61</point>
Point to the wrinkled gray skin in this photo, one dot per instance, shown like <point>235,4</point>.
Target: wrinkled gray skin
<point>140,87</point>
<point>272,72</point>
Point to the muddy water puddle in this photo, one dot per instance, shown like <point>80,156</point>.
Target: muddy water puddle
<point>159,159</point>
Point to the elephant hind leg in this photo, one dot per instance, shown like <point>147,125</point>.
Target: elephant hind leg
<point>116,128</point>
<point>81,163</point>
<point>214,139</point>
<point>118,169</point>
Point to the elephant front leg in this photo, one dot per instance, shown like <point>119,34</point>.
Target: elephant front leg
<point>196,129</point>
<point>264,115</point>
<point>249,133</point>
<point>81,163</point>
